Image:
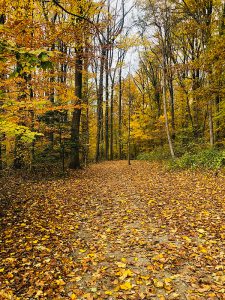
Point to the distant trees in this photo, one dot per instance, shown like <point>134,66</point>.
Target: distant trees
<point>178,66</point>
<point>48,97</point>
<point>65,88</point>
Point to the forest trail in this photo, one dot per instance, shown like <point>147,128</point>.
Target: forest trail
<point>115,231</point>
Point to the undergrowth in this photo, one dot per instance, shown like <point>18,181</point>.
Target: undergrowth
<point>208,159</point>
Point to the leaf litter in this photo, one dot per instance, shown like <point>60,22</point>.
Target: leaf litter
<point>114,231</point>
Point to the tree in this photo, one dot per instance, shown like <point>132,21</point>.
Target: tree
<point>161,20</point>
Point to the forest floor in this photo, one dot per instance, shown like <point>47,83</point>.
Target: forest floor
<point>115,231</point>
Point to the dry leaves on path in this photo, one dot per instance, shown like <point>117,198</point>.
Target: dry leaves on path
<point>115,232</point>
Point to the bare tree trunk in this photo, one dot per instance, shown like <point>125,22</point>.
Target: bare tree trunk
<point>1,160</point>
<point>107,106</point>
<point>85,114</point>
<point>120,113</point>
<point>2,22</point>
<point>165,108</point>
<point>75,128</point>
<point>172,109</point>
<point>112,120</point>
<point>128,142</point>
<point>100,108</point>
<point>211,130</point>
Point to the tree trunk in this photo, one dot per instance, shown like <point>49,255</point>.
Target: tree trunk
<point>128,142</point>
<point>165,108</point>
<point>75,128</point>
<point>2,21</point>
<point>111,120</point>
<point>171,91</point>
<point>100,108</point>
<point>1,161</point>
<point>120,113</point>
<point>107,106</point>
<point>211,130</point>
<point>85,114</point>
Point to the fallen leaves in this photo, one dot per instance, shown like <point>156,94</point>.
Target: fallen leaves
<point>123,274</point>
<point>121,264</point>
<point>115,233</point>
<point>60,282</point>
<point>126,286</point>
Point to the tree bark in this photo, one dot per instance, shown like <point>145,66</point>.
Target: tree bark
<point>107,106</point>
<point>211,130</point>
<point>129,119</point>
<point>75,128</point>
<point>165,108</point>
<point>85,114</point>
<point>112,120</point>
<point>120,113</point>
<point>100,108</point>
<point>172,109</point>
<point>2,22</point>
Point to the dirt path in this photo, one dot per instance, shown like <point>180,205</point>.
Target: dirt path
<point>116,232</point>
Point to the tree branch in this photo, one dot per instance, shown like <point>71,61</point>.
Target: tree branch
<point>56,2</point>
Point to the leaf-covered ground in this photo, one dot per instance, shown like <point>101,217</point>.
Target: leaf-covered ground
<point>115,232</point>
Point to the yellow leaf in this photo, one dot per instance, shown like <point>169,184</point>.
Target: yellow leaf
<point>60,282</point>
<point>145,277</point>
<point>212,295</point>
<point>186,238</point>
<point>120,264</point>
<point>158,257</point>
<point>125,274</point>
<point>168,280</point>
<point>158,283</point>
<point>219,267</point>
<point>78,278</point>
<point>161,297</point>
<point>202,249</point>
<point>151,201</point>
<point>142,295</point>
<point>126,286</point>
<point>73,297</point>
<point>201,230</point>
<point>92,255</point>
<point>39,293</point>
<point>82,250</point>
<point>108,293</point>
<point>10,259</point>
<point>174,296</point>
<point>88,296</point>
<point>2,270</point>
<point>9,275</point>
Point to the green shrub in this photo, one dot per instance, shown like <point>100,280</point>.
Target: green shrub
<point>209,159</point>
